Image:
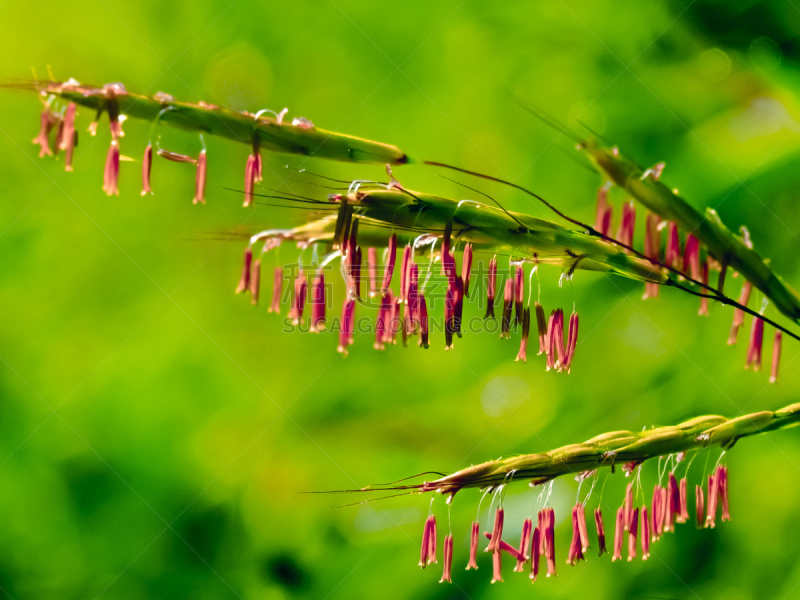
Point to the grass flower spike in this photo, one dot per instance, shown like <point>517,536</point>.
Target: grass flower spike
<point>643,525</point>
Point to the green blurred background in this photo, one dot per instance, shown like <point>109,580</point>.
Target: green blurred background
<point>156,431</point>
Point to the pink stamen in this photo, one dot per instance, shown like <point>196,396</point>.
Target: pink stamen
<point>628,506</point>
<point>776,357</point>
<point>380,329</point>
<point>523,343</point>
<point>244,280</point>
<point>317,303</point>
<point>346,338</point>
<point>712,494</point>
<point>665,508</point>
<point>406,325</point>
<point>391,257</point>
<point>293,282</point>
<point>541,523</point>
<point>69,137</point>
<point>508,306</point>
<point>536,543</point>
<point>255,282</point>
<point>423,321</point>
<point>47,120</point>
<point>633,528</point>
<point>497,566</point>
<point>703,312</point>
<point>397,320</point>
<point>258,168</point>
<point>404,273</point>
<point>575,549</point>
<point>619,531</point>
<point>413,295</point>
<point>59,135</point>
<point>354,266</point>
<point>249,180</point>
<point>754,348</point>
<point>111,172</point>
<point>684,507</point>
<point>652,250</point>
<point>444,251</point>
<point>448,559</point>
<point>147,164</point>
<point>466,267</point>
<point>722,483</point>
<point>383,324</point>
<point>584,532</point>
<point>449,315</point>
<point>738,313</point>
<point>699,506</point>
<point>691,257</point>
<point>277,284</point>
<point>409,284</point>
<point>372,271</point>
<point>423,553</point>
<point>602,218</point>
<point>645,534</point>
<point>550,542</point>
<point>556,329</point>
<point>606,223</point>
<point>491,288</point>
<point>548,344</point>
<point>497,531</point>
<point>541,327</point>
<point>390,304</point>
<point>432,544</point>
<point>572,341</point>
<point>299,300</point>
<point>519,293</point>
<point>656,527</point>
<point>627,224</point>
<point>601,531</point>
<point>473,546</point>
<point>200,179</point>
<point>448,265</point>
<point>672,256</point>
<point>524,542</point>
<point>673,503</point>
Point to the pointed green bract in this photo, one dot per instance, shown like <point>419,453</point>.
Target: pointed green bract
<point>724,245</point>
